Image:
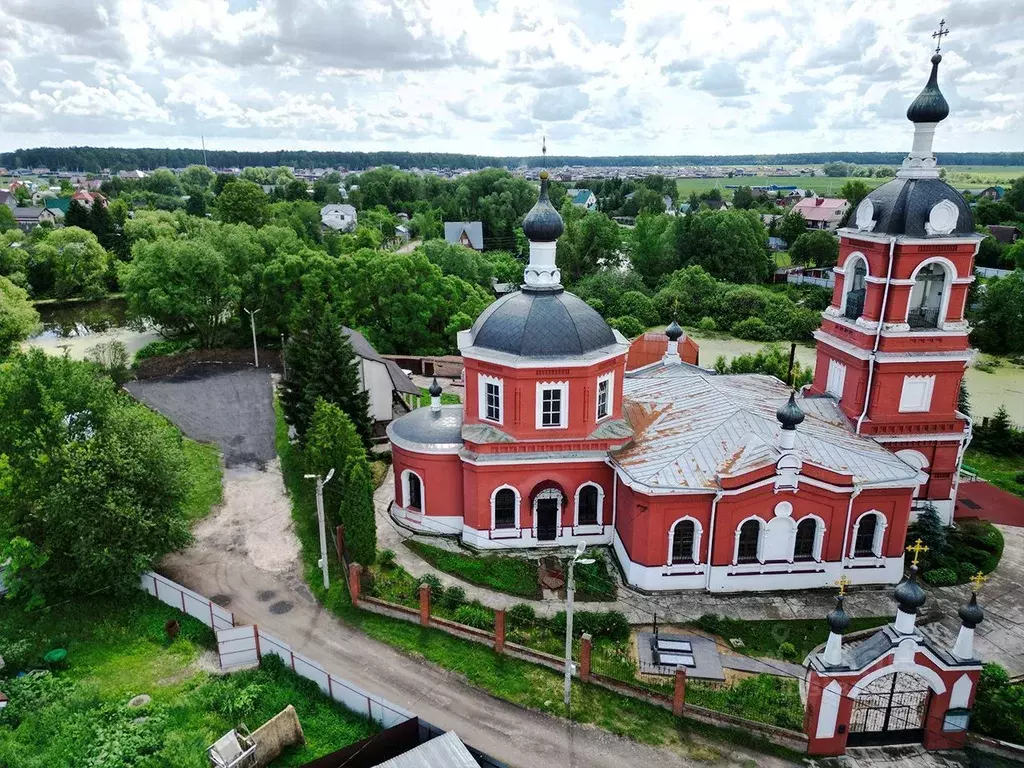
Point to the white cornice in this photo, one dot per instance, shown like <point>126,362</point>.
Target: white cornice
<point>881,237</point>
<point>949,437</point>
<point>518,362</point>
<point>896,357</point>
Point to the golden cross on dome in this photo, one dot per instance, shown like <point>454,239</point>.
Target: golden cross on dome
<point>940,34</point>
<point>917,548</point>
<point>977,580</point>
<point>842,584</point>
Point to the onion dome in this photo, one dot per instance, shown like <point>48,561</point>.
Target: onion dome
<point>971,614</point>
<point>435,388</point>
<point>909,594</point>
<point>789,415</point>
<point>674,332</point>
<point>930,105</point>
<point>838,620</point>
<point>903,206</point>
<point>543,224</point>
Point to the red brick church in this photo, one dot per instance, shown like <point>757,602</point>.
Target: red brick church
<point>718,482</point>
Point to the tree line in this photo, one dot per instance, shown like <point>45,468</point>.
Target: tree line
<point>94,159</point>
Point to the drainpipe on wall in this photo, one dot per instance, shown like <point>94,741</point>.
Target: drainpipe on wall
<point>711,537</point>
<point>878,335</point>
<point>961,451</point>
<point>846,531</point>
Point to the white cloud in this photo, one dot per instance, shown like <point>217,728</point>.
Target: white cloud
<point>597,76</point>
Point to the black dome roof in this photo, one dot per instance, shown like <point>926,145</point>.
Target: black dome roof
<point>838,620</point>
<point>674,332</point>
<point>971,614</point>
<point>909,594</point>
<point>903,206</point>
<point>789,414</point>
<point>543,224</point>
<point>930,105</point>
<point>541,323</point>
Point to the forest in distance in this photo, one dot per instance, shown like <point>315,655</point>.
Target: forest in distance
<point>95,159</point>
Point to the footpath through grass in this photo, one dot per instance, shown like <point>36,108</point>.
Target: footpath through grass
<point>117,648</point>
<point>206,474</point>
<point>1006,472</point>
<point>518,682</point>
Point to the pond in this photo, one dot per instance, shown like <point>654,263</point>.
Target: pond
<point>75,327</point>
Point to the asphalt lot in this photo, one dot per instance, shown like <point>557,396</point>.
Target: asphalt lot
<point>231,406</point>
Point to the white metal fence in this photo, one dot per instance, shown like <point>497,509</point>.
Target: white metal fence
<point>237,647</point>
<point>993,272</point>
<point>800,279</point>
<point>187,601</point>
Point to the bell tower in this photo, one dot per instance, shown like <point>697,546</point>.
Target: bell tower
<point>893,347</point>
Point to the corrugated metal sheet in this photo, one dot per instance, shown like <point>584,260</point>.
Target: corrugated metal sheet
<point>443,752</point>
<point>693,426</point>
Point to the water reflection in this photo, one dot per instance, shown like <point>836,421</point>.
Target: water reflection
<point>84,318</point>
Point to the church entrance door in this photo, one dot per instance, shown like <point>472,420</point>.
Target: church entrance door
<point>547,519</point>
<point>891,710</point>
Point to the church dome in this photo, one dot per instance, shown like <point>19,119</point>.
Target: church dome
<point>909,594</point>
<point>838,619</point>
<point>930,105</point>
<point>543,224</point>
<point>918,207</point>
<point>971,614</point>
<point>541,323</point>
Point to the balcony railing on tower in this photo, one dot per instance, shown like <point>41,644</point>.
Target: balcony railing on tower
<point>923,317</point>
<point>855,303</point>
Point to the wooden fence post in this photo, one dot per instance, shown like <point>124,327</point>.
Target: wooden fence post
<point>355,573</point>
<point>425,605</point>
<point>499,630</point>
<point>586,644</point>
<point>679,699</point>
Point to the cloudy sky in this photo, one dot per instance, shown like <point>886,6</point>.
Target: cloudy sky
<point>598,77</point>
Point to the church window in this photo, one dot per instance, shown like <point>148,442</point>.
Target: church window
<point>604,396</point>
<point>490,399</point>
<point>552,405</point>
<point>414,491</point>
<point>864,542</point>
<point>749,539</point>
<point>684,536</point>
<point>857,289</point>
<point>926,296</point>
<point>806,533</point>
<point>588,506</point>
<point>505,508</point>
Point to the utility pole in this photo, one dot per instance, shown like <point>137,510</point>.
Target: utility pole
<point>252,322</point>
<point>320,483</point>
<point>570,589</point>
<point>284,364</point>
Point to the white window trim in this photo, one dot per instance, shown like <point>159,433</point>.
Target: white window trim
<point>482,381</point>
<point>512,532</point>
<point>698,531</point>
<point>947,286</point>
<point>760,540</point>
<point>840,369</point>
<point>405,490</point>
<point>876,544</point>
<point>549,493</point>
<point>610,378</point>
<point>563,386</point>
<point>848,270</point>
<point>925,404</point>
<point>598,527</point>
<point>819,537</point>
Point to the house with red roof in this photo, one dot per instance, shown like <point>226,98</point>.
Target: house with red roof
<point>823,212</point>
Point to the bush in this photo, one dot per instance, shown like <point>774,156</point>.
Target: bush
<point>636,304</point>
<point>436,587</point>
<point>628,326</point>
<point>605,624</point>
<point>787,651</point>
<point>453,598</point>
<point>707,324</point>
<point>941,577</point>
<point>755,329</point>
<point>163,347</point>
<point>520,616</point>
<point>386,559</point>
<point>999,706</point>
<point>1019,478</point>
<point>474,615</point>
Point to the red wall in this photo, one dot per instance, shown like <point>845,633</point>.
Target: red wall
<point>643,522</point>
<point>442,480</point>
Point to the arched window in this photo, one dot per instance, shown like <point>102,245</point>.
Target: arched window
<point>413,491</point>
<point>588,506</point>
<point>749,538</point>
<point>806,533</point>
<point>684,537</point>
<point>864,542</point>
<point>857,288</point>
<point>505,508</point>
<point>926,296</point>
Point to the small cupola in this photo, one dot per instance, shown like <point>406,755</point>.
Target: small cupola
<point>435,395</point>
<point>543,224</point>
<point>909,597</point>
<point>971,616</point>
<point>930,106</point>
<point>838,623</point>
<point>789,416</point>
<point>674,333</point>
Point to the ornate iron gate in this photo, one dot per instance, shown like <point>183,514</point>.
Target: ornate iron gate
<point>891,710</point>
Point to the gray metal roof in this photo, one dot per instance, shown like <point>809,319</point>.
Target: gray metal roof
<point>691,426</point>
<point>399,380</point>
<point>902,207</point>
<point>541,324</point>
<point>474,231</point>
<point>361,346</point>
<point>445,751</point>
<point>427,428</point>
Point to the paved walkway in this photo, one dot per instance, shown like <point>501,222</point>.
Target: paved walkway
<point>984,500</point>
<point>999,638</point>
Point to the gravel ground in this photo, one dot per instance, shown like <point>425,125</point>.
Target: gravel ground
<point>231,406</point>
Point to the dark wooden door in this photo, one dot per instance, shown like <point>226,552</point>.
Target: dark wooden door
<point>547,519</point>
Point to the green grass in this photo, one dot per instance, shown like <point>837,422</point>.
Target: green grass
<point>446,398</point>
<point>526,685</point>
<point>763,638</point>
<point>205,471</point>
<point>503,573</point>
<point>117,648</point>
<point>1001,471</point>
<point>782,259</point>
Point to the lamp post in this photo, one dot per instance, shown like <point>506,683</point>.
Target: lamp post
<point>252,322</point>
<point>570,588</point>
<point>320,483</point>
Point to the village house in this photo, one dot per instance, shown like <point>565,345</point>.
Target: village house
<point>28,219</point>
<point>467,233</point>
<point>582,198</point>
<point>390,390</point>
<point>340,217</point>
<point>822,212</point>
<point>724,483</point>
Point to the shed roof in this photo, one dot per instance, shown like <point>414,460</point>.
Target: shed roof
<point>474,231</point>
<point>445,751</point>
